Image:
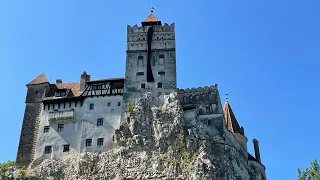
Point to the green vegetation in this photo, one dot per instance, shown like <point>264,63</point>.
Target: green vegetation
<point>130,105</point>
<point>185,156</point>
<point>311,173</point>
<point>22,173</point>
<point>4,168</point>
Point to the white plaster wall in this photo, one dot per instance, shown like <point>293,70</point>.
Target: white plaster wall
<point>57,139</point>
<point>111,120</point>
<point>84,125</point>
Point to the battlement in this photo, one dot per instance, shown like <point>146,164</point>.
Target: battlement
<point>140,29</point>
<point>198,89</point>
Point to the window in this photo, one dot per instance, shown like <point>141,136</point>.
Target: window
<point>100,122</point>
<point>63,93</point>
<point>46,129</point>
<point>140,73</point>
<point>140,57</point>
<point>143,86</point>
<point>209,122</point>
<point>66,148</point>
<point>207,109</point>
<point>100,142</point>
<point>88,142</point>
<point>109,103</point>
<point>161,56</point>
<point>159,85</point>
<point>60,127</point>
<point>119,103</point>
<point>91,106</point>
<point>60,93</point>
<point>99,87</point>
<point>37,92</point>
<point>161,73</point>
<point>47,149</point>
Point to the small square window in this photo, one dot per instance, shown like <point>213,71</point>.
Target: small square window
<point>88,142</point>
<point>91,106</point>
<point>119,103</point>
<point>66,148</point>
<point>159,85</point>
<point>143,86</point>
<point>100,122</point>
<point>140,57</point>
<point>60,127</point>
<point>46,129</point>
<point>47,149</point>
<point>209,122</point>
<point>100,142</point>
<point>99,87</point>
<point>140,73</point>
<point>109,103</point>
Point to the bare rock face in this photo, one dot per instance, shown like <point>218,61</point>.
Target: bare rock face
<point>155,141</point>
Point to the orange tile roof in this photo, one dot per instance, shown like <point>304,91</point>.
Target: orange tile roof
<point>74,86</point>
<point>151,18</point>
<point>230,118</point>
<point>39,80</point>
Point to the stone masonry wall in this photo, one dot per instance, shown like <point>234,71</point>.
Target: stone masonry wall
<point>30,124</point>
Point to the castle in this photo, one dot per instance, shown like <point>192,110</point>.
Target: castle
<point>64,119</point>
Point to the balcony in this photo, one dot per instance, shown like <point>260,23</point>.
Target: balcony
<point>61,116</point>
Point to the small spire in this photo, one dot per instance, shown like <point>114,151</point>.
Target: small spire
<point>227,97</point>
<point>152,8</point>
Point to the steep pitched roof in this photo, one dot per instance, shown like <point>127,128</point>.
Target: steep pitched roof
<point>231,121</point>
<point>39,80</point>
<point>74,87</point>
<point>151,18</point>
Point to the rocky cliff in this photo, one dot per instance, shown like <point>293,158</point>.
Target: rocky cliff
<point>156,141</point>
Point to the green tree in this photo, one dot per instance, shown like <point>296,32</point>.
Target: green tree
<point>311,173</point>
<point>4,168</point>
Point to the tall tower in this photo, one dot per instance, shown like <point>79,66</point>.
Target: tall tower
<point>151,58</point>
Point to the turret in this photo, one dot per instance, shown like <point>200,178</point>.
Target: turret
<point>233,125</point>
<point>37,89</point>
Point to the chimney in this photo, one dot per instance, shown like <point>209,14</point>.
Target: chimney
<point>256,149</point>
<point>58,81</point>
<point>83,80</point>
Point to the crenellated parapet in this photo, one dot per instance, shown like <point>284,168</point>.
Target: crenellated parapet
<point>163,37</point>
<point>204,99</point>
<point>140,29</point>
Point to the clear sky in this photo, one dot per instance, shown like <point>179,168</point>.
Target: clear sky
<point>264,53</point>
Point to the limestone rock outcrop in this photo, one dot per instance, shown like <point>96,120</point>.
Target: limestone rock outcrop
<point>155,141</point>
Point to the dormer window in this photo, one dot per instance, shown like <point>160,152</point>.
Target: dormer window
<point>60,93</point>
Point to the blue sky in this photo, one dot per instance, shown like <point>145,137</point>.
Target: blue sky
<point>264,53</point>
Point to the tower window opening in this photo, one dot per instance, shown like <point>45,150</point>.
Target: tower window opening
<point>209,122</point>
<point>161,73</point>
<point>161,56</point>
<point>143,86</point>
<point>159,85</point>
<point>140,73</point>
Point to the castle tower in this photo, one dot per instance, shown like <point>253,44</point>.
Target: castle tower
<point>233,125</point>
<point>37,89</point>
<point>151,58</point>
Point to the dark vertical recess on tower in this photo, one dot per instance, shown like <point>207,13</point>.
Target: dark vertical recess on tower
<point>150,77</point>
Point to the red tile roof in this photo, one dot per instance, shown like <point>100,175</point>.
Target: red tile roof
<point>231,121</point>
<point>74,86</point>
<point>151,18</point>
<point>39,80</point>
